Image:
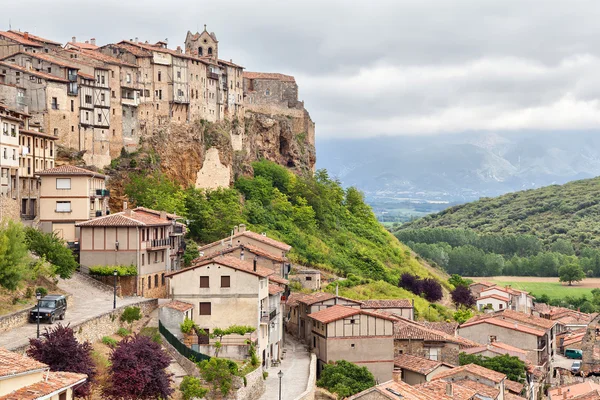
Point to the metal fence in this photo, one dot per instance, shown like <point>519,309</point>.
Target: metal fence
<point>180,347</point>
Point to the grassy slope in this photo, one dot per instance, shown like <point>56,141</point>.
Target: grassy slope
<point>570,211</point>
<point>554,290</point>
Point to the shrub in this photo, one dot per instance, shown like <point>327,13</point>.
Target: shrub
<point>431,289</point>
<point>110,342</point>
<point>191,388</point>
<point>53,249</point>
<point>130,315</point>
<point>219,373</point>
<point>187,325</point>
<point>123,332</point>
<point>108,270</point>
<point>152,333</point>
<point>345,378</point>
<point>462,296</point>
<point>43,291</point>
<point>410,282</point>
<point>29,293</point>
<point>265,375</point>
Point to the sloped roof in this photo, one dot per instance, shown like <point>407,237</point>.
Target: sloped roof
<point>231,262</point>
<point>96,55</point>
<point>19,39</point>
<point>83,45</point>
<point>277,279</point>
<point>133,217</point>
<point>54,382</point>
<point>333,313</point>
<point>36,38</point>
<point>13,363</point>
<point>513,386</point>
<point>253,235</point>
<point>39,74</point>
<point>515,316</point>
<point>70,170</point>
<point>390,388</point>
<point>269,76</point>
<point>179,305</point>
<point>446,327</point>
<point>394,303</point>
<point>472,369</point>
<point>274,289</point>
<point>494,296</point>
<point>480,388</point>
<point>438,390</point>
<point>405,329</point>
<point>574,390</point>
<point>506,324</point>
<point>45,57</point>
<point>252,249</point>
<point>423,366</point>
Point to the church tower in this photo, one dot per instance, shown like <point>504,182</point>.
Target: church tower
<point>202,44</point>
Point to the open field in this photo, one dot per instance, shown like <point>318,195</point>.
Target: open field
<point>544,285</point>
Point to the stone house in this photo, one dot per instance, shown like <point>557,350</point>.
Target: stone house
<point>399,307</point>
<point>485,382</point>
<point>172,315</point>
<point>70,195</point>
<point>416,370</point>
<point>48,45</point>
<point>435,390</point>
<point>414,338</point>
<point>354,335</point>
<point>495,349</point>
<point>86,45</point>
<point>271,89</point>
<point>12,42</point>
<point>527,332</point>
<point>148,239</point>
<point>10,121</point>
<point>24,378</point>
<point>230,291</point>
<point>308,278</point>
<point>477,287</point>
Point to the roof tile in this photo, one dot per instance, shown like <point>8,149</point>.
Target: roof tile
<point>13,363</point>
<point>54,382</point>
<point>70,170</point>
<point>473,369</point>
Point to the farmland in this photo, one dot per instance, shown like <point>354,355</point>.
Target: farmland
<point>543,285</point>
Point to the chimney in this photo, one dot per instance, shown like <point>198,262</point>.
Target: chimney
<point>87,42</point>
<point>26,35</point>
<point>254,268</point>
<point>136,39</point>
<point>396,375</point>
<point>163,215</point>
<point>128,212</point>
<point>73,39</point>
<point>179,49</point>
<point>93,41</point>
<point>449,389</point>
<point>235,230</point>
<point>242,228</point>
<point>124,205</point>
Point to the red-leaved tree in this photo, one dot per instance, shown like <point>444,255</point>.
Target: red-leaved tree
<point>137,371</point>
<point>462,296</point>
<point>59,348</point>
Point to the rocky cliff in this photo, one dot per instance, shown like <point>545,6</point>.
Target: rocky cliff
<point>210,155</point>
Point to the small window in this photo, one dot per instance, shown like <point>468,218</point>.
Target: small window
<point>314,341</point>
<point>143,258</point>
<point>63,206</point>
<point>353,321</point>
<point>159,76</point>
<point>149,282</point>
<point>309,278</point>
<point>204,282</point>
<point>352,345</point>
<point>225,281</point>
<point>205,308</point>
<point>63,183</point>
<point>162,279</point>
<point>155,280</point>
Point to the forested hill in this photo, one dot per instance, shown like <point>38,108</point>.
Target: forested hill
<point>570,212</point>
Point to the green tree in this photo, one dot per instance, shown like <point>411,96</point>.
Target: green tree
<point>462,315</point>
<point>13,254</point>
<point>571,273</point>
<point>191,388</point>
<point>53,249</point>
<point>191,252</point>
<point>512,366</point>
<point>345,378</point>
<point>457,280</point>
<point>218,372</point>
<point>130,315</point>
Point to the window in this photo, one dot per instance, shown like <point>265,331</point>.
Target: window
<point>72,105</point>
<point>162,256</point>
<point>63,183</point>
<point>314,341</point>
<point>501,306</point>
<point>14,154</point>
<point>143,258</point>
<point>13,130</point>
<point>267,92</point>
<point>225,281</point>
<point>352,321</point>
<point>54,103</point>
<point>159,76</point>
<point>103,79</point>
<point>309,278</point>
<point>102,97</point>
<point>492,339</point>
<point>62,396</point>
<point>63,206</point>
<point>99,117</point>
<point>128,78</point>
<point>149,282</point>
<point>160,94</point>
<point>204,282</point>
<point>87,116</point>
<point>112,74</point>
<point>204,308</point>
<point>200,51</point>
<point>178,74</point>
<point>155,280</point>
<point>210,51</point>
<point>55,131</point>
<point>88,98</point>
<point>5,128</point>
<point>352,345</point>
<point>155,257</point>
<point>143,236</point>
<point>162,279</point>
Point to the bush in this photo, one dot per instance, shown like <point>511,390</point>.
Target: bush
<point>462,296</point>
<point>187,325</point>
<point>431,289</point>
<point>219,373</point>
<point>191,388</point>
<point>53,249</point>
<point>110,342</point>
<point>130,315</point>
<point>152,333</point>
<point>345,378</point>
<point>108,270</point>
<point>265,375</point>
<point>123,332</point>
<point>29,293</point>
<point>43,291</point>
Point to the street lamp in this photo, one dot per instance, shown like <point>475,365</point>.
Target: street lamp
<point>115,290</point>
<point>38,296</point>
<point>280,375</point>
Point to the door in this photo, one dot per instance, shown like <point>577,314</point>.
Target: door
<point>204,339</point>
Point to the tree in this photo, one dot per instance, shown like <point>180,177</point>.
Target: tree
<point>462,315</point>
<point>191,252</point>
<point>462,296</point>
<point>571,273</point>
<point>53,249</point>
<point>410,282</point>
<point>457,280</point>
<point>130,315</point>
<point>512,366</point>
<point>431,289</point>
<point>191,388</point>
<point>219,372</point>
<point>62,352</point>
<point>137,371</point>
<point>13,254</point>
<point>345,378</point>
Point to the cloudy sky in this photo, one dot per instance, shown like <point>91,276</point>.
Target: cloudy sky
<point>379,67</point>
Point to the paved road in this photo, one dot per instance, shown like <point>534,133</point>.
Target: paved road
<point>295,368</point>
<point>88,302</point>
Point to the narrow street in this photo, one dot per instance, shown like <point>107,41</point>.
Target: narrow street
<point>295,368</point>
<point>88,300</point>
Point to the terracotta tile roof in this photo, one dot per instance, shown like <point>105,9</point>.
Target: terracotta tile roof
<point>156,212</point>
<point>36,133</point>
<point>83,45</point>
<point>316,297</point>
<point>96,55</point>
<point>260,252</point>
<point>277,279</point>
<point>484,283</point>
<point>13,363</point>
<point>70,170</point>
<point>594,395</point>
<point>472,369</point>
<point>513,386</point>
<point>480,388</point>
<point>389,389</point>
<point>256,236</point>
<point>132,48</point>
<point>274,289</point>
<point>56,381</point>
<point>36,38</point>
<point>505,324</point>
<point>507,347</point>
<point>294,298</point>
<point>155,47</point>
<point>334,313</point>
<point>44,57</point>
<point>405,329</point>
<point>573,390</point>
<point>19,39</point>
<point>573,338</point>
<point>420,365</point>
<point>86,76</point>
<point>446,327</point>
<point>269,76</point>
<point>396,303</point>
<point>438,390</point>
<point>231,262</point>
<point>39,74</point>
<point>128,218</point>
<point>179,305</point>
<point>494,296</point>
<point>229,63</point>
<point>510,396</point>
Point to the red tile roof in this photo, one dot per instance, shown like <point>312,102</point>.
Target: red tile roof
<point>269,76</point>
<point>438,390</point>
<point>86,76</point>
<point>494,296</point>
<point>251,249</point>
<point>39,74</point>
<point>55,382</point>
<point>13,363</point>
<point>516,318</point>
<point>573,390</point>
<point>179,305</point>
<point>83,45</point>
<point>231,262</point>
<point>488,392</point>
<point>334,313</point>
<point>36,133</point>
<point>274,289</point>
<point>128,218</point>
<point>277,279</point>
<point>395,303</point>
<point>294,298</point>
<point>70,170</point>
<point>253,235</point>
<point>35,38</point>
<point>506,324</point>
<point>19,39</point>
<point>472,369</point>
<point>446,327</point>
<point>44,57</point>
<point>420,365</point>
<point>513,386</point>
<point>405,329</point>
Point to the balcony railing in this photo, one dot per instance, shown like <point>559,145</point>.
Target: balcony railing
<point>268,316</point>
<point>155,243</point>
<point>212,75</point>
<point>177,230</point>
<point>100,193</point>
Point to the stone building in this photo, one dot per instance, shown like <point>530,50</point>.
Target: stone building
<point>415,370</point>
<point>13,42</point>
<point>9,150</point>
<point>264,88</point>
<point>308,278</point>
<point>399,307</point>
<point>148,239</point>
<point>75,45</point>
<point>202,44</point>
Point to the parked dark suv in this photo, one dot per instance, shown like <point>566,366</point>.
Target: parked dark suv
<point>52,307</point>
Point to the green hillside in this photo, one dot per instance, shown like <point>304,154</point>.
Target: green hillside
<point>329,227</point>
<point>570,212</point>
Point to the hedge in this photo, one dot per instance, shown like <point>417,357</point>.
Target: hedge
<point>107,270</point>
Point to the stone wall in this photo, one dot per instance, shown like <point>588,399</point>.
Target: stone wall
<point>126,285</point>
<point>20,318</point>
<point>213,173</point>
<point>309,393</point>
<point>9,209</point>
<point>254,389</point>
<point>188,366</point>
<point>448,353</point>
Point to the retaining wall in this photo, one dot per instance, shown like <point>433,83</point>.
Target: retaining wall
<point>309,393</point>
<point>20,318</point>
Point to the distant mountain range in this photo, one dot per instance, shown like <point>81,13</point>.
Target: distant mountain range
<point>459,167</point>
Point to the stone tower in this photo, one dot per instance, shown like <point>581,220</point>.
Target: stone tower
<point>202,44</point>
